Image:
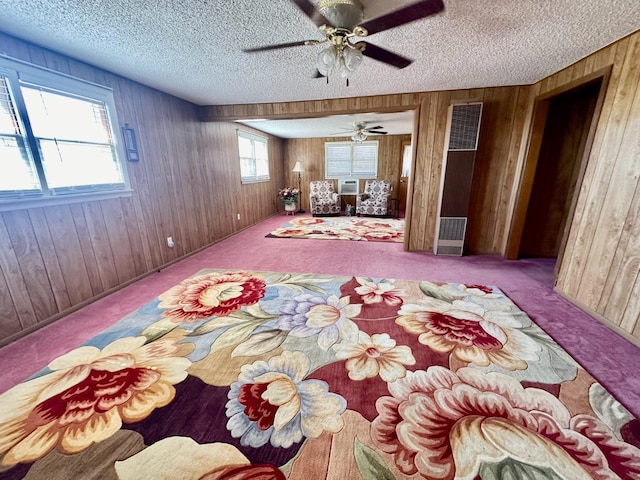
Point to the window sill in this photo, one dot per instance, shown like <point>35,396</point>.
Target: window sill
<point>12,204</point>
<point>249,182</point>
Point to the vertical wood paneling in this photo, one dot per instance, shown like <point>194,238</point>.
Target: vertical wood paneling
<point>88,253</point>
<point>601,264</point>
<point>310,152</point>
<point>45,245</point>
<point>16,284</point>
<point>186,185</point>
<point>28,256</point>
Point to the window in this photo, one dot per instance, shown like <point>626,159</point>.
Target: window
<point>254,158</point>
<point>406,160</point>
<point>347,159</point>
<point>56,135</point>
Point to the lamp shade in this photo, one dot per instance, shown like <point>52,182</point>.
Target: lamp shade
<point>298,167</point>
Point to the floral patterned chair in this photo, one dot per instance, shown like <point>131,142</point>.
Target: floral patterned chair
<point>375,198</point>
<point>323,199</point>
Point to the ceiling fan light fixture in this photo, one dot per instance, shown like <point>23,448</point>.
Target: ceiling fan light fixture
<point>339,61</point>
<point>341,13</point>
<point>327,60</point>
<point>359,136</point>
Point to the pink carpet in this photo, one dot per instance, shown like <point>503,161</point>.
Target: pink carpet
<point>527,282</point>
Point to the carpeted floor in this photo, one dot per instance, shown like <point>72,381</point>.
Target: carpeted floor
<point>611,359</point>
<point>342,228</point>
<point>246,374</point>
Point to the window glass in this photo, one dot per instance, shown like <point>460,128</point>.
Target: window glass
<point>355,160</point>
<point>69,144</point>
<point>254,158</point>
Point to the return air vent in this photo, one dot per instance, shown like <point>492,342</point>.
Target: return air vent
<point>465,122</point>
<point>451,236</point>
<point>461,143</point>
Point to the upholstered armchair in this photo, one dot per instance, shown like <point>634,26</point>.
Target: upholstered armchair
<point>375,198</point>
<point>323,200</point>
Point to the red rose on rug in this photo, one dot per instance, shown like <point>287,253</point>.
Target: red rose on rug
<point>87,396</point>
<point>446,425</point>
<point>211,294</point>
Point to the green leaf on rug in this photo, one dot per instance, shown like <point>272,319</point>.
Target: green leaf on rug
<point>260,343</point>
<point>159,329</point>
<point>433,290</point>
<point>300,283</point>
<point>234,335</point>
<point>510,469</point>
<point>544,338</point>
<point>216,323</point>
<point>370,464</point>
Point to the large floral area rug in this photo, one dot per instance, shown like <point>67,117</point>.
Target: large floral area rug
<point>260,375</point>
<point>343,228</point>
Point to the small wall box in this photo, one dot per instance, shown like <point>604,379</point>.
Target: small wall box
<point>130,143</point>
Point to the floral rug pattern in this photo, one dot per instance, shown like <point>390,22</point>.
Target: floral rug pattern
<point>266,375</point>
<point>343,228</point>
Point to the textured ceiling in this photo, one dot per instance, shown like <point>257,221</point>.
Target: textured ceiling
<point>192,48</point>
<point>335,125</point>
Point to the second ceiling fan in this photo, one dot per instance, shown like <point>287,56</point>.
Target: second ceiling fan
<point>341,23</point>
<point>360,131</point>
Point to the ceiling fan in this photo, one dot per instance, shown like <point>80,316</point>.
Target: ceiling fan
<point>360,131</point>
<point>340,21</point>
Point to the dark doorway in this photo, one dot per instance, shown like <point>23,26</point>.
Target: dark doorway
<point>562,131</point>
<point>562,149</point>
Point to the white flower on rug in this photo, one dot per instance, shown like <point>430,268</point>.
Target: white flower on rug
<point>372,292</point>
<point>271,402</point>
<point>375,355</point>
<point>87,397</point>
<point>329,318</point>
<point>470,333</point>
<point>458,291</point>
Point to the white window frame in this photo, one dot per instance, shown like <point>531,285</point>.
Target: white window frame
<point>17,73</point>
<point>244,178</point>
<point>341,160</point>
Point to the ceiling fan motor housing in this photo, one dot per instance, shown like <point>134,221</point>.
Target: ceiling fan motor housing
<point>342,13</point>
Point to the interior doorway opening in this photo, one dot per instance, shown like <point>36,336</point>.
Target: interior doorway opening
<point>562,132</point>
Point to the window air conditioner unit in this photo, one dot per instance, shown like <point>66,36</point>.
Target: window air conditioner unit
<point>348,187</point>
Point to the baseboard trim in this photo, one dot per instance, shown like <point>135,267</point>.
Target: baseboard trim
<point>47,321</point>
<point>608,323</point>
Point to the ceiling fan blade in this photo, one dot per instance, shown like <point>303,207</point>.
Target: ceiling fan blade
<point>310,11</point>
<point>376,133</point>
<point>275,47</point>
<point>385,56</point>
<point>404,15</point>
<point>374,128</point>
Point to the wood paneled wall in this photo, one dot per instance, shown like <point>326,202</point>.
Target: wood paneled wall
<point>504,118</point>
<point>186,185</point>
<point>601,265</point>
<point>310,151</point>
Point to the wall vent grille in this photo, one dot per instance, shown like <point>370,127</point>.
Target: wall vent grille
<point>465,122</point>
<point>452,228</point>
<point>447,250</point>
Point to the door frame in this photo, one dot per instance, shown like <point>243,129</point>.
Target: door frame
<point>536,133</point>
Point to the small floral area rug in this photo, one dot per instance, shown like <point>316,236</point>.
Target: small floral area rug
<point>264,375</point>
<point>343,228</point>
